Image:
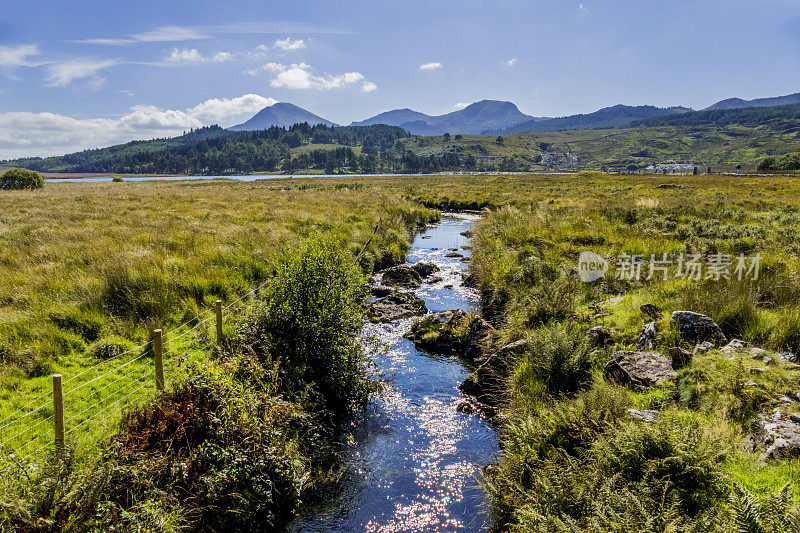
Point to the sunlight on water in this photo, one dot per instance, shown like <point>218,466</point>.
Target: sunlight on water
<point>415,458</point>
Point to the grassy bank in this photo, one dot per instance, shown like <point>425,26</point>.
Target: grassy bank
<point>573,457</point>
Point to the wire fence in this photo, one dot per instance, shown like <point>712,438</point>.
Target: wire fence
<point>93,399</point>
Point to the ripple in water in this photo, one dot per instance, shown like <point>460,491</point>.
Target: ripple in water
<point>414,457</point>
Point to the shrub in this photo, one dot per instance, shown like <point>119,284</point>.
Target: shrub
<point>309,324</point>
<point>558,357</point>
<point>21,179</point>
<point>117,179</point>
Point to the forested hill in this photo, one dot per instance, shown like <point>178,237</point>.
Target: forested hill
<point>214,150</point>
<point>782,118</point>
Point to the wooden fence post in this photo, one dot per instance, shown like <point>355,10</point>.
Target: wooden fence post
<point>158,352</point>
<point>58,412</point>
<point>218,307</point>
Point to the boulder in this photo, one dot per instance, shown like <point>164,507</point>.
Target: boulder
<point>453,255</point>
<point>401,276</point>
<point>607,303</point>
<point>434,279</point>
<point>379,291</point>
<point>733,347</point>
<point>648,338</point>
<point>467,233</point>
<point>697,328</point>
<point>638,371</point>
<point>451,332</point>
<point>680,357</point>
<point>396,306</point>
<point>600,336</point>
<point>776,435</point>
<point>424,269</point>
<point>703,347</point>
<point>651,311</point>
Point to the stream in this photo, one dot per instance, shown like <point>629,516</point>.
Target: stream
<point>414,458</point>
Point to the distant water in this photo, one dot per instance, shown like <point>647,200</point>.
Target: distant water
<point>413,455</point>
<point>237,178</point>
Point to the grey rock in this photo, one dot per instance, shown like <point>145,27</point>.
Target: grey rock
<point>514,347</point>
<point>735,346</point>
<point>379,291</point>
<point>788,356</point>
<point>396,306</point>
<point>453,255</point>
<point>434,279</point>
<point>638,371</point>
<point>651,311</point>
<point>424,269</point>
<point>703,347</point>
<point>785,399</point>
<point>680,357</point>
<point>697,328</point>
<point>427,236</point>
<point>645,415</point>
<point>465,407</point>
<point>607,303</point>
<point>776,435</point>
<point>401,276</point>
<point>648,338</point>
<point>600,336</point>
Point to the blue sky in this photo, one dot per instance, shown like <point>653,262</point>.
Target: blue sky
<point>86,73</point>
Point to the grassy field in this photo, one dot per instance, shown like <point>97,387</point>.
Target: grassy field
<point>87,270</point>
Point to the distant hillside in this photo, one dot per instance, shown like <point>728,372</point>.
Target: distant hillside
<point>608,117</point>
<point>282,115</point>
<point>738,103</point>
<point>396,117</point>
<point>214,150</point>
<point>780,118</point>
<point>473,119</point>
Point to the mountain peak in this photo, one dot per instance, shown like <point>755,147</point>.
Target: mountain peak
<point>283,115</point>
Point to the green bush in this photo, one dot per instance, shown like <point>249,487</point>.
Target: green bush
<point>560,358</point>
<point>309,324</point>
<point>21,179</point>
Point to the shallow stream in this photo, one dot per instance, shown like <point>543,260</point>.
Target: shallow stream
<point>414,457</point>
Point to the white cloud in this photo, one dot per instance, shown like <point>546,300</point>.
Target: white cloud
<point>25,134</point>
<point>433,65</point>
<point>162,34</point>
<point>510,62</point>
<point>368,87</point>
<point>185,55</point>
<point>582,8</point>
<point>460,105</point>
<point>298,76</point>
<point>62,74</point>
<point>191,33</point>
<point>290,44</point>
<point>221,57</point>
<point>17,56</point>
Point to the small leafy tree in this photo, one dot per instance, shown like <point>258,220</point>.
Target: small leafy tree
<point>499,139</point>
<point>309,325</point>
<point>21,179</point>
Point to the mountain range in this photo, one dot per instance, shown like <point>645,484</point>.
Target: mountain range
<point>500,117</point>
<point>473,119</point>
